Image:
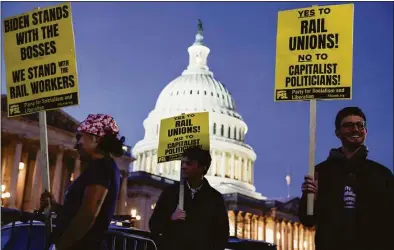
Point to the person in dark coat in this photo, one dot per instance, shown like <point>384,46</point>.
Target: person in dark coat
<point>203,224</point>
<point>354,196</point>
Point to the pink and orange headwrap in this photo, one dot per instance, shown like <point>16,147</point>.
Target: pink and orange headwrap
<point>98,124</point>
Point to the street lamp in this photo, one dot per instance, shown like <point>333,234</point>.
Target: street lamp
<point>133,213</point>
<point>4,195</point>
<point>21,165</point>
<point>134,216</point>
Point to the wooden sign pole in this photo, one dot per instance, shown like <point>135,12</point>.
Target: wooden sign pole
<point>44,164</point>
<point>181,187</point>
<point>312,150</point>
<point>181,192</point>
<point>45,171</point>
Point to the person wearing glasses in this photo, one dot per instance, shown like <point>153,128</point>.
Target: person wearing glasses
<point>353,195</point>
<point>203,223</point>
<point>90,199</point>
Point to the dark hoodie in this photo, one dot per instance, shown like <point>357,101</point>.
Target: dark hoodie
<point>354,208</point>
<point>206,226</point>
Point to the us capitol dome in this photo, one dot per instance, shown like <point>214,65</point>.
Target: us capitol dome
<point>196,90</point>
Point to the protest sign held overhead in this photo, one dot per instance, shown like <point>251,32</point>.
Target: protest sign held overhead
<point>181,132</point>
<point>39,51</point>
<point>314,53</point>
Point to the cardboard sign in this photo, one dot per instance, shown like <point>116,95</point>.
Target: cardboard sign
<point>39,52</point>
<point>181,132</point>
<point>314,53</point>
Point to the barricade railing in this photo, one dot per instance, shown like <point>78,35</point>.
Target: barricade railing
<point>26,231</point>
<point>117,240</point>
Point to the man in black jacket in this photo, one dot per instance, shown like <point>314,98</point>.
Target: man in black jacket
<point>354,196</point>
<point>203,224</point>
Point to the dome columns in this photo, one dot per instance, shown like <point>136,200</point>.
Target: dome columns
<point>231,166</point>
<point>223,165</point>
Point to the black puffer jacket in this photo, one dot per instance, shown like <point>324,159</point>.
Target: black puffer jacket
<point>374,209</point>
<point>206,226</point>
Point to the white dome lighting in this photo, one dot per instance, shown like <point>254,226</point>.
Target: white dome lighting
<point>196,90</point>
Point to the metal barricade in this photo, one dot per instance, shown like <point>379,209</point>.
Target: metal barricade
<point>117,240</point>
<point>26,231</point>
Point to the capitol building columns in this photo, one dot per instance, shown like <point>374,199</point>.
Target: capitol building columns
<point>285,234</point>
<point>149,161</point>
<point>20,189</point>
<point>122,198</point>
<point>22,174</point>
<point>136,163</point>
<point>15,172</point>
<point>232,166</point>
<point>223,164</point>
<point>144,163</point>
<point>56,184</point>
<point>21,169</point>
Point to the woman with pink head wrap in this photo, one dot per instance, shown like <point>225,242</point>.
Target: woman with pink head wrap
<point>91,199</point>
<point>98,134</point>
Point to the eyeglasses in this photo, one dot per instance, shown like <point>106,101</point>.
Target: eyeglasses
<point>359,125</point>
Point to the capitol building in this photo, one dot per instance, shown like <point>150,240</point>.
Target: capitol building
<point>251,215</point>
<point>196,90</point>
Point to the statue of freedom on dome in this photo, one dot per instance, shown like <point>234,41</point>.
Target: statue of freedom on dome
<point>200,28</point>
<point>199,36</point>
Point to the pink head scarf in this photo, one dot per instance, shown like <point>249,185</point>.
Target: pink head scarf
<point>98,124</point>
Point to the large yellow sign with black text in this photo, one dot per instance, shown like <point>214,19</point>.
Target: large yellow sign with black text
<point>39,52</point>
<point>181,132</point>
<point>314,53</point>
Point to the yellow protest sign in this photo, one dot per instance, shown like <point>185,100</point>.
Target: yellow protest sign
<point>39,53</point>
<point>181,132</point>
<point>314,53</point>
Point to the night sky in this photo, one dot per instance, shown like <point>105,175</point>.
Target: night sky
<point>128,52</point>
